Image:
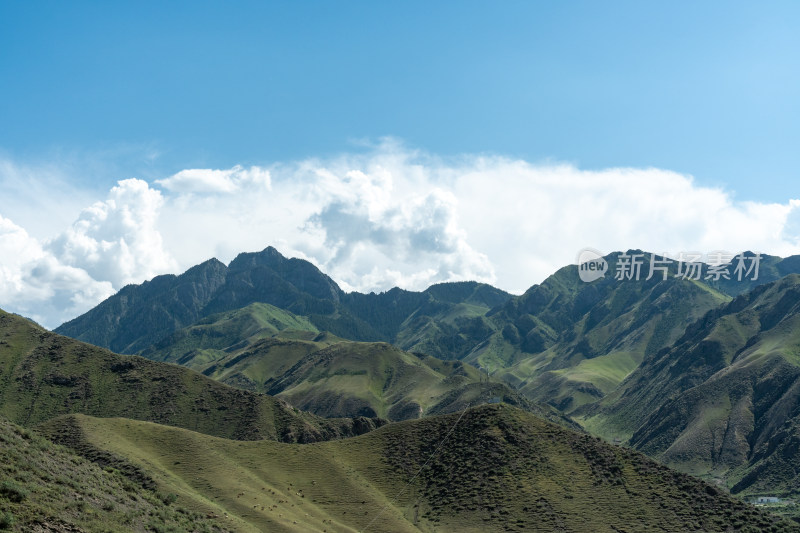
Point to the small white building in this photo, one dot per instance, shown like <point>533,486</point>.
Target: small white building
<point>767,499</point>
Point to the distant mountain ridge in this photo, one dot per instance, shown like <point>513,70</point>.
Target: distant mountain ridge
<point>139,316</point>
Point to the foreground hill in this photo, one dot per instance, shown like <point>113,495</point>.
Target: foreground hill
<point>46,487</point>
<point>725,400</point>
<point>492,468</point>
<point>43,375</point>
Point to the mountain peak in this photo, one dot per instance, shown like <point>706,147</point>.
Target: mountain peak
<point>269,256</point>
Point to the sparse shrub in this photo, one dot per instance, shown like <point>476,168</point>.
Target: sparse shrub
<point>6,520</point>
<point>12,491</point>
<point>79,505</point>
<point>169,499</point>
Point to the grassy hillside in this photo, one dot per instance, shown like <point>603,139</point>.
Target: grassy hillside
<point>495,468</point>
<point>569,343</point>
<point>377,379</point>
<point>44,487</point>
<point>266,349</point>
<point>212,338</point>
<point>43,375</point>
<point>725,400</point>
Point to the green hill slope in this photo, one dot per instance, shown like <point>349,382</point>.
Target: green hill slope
<point>44,487</point>
<point>725,400</point>
<point>43,375</point>
<point>569,343</point>
<point>266,349</point>
<point>377,379</point>
<point>495,468</point>
<point>214,337</point>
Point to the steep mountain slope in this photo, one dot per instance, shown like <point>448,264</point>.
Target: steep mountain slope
<point>139,315</point>
<point>770,268</point>
<point>494,468</point>
<point>46,487</point>
<point>43,375</point>
<point>568,342</point>
<point>725,400</point>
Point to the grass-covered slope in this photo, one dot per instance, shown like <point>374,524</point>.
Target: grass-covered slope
<point>212,338</point>
<point>725,400</point>
<point>43,375</point>
<point>568,343</point>
<point>266,349</point>
<point>44,487</point>
<point>377,379</point>
<point>495,468</point>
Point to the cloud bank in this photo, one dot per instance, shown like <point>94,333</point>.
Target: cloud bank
<point>389,217</point>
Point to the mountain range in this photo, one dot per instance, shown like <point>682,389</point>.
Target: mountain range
<point>697,372</point>
<point>170,463</point>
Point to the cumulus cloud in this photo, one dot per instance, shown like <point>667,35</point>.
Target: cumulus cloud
<point>400,217</point>
<point>367,215</point>
<point>117,240</point>
<point>387,217</point>
<point>35,284</point>
<point>209,181</point>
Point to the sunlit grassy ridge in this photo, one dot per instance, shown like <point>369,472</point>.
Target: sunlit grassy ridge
<point>496,468</point>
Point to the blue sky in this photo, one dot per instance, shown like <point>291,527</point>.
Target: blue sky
<point>704,88</point>
<point>390,143</point>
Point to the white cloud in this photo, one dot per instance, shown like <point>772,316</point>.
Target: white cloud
<point>400,217</point>
<point>390,217</point>
<point>208,181</point>
<point>117,240</point>
<point>35,284</point>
